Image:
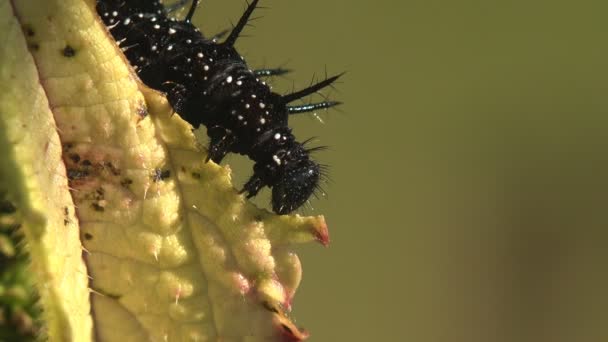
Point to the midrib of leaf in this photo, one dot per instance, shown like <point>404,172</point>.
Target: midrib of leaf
<point>142,267</point>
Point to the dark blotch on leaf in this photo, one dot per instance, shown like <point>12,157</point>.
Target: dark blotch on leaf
<point>115,171</point>
<point>142,110</point>
<point>100,191</point>
<point>29,31</point>
<point>161,174</point>
<point>270,307</point>
<point>97,207</point>
<point>86,162</point>
<point>126,182</point>
<point>77,174</point>
<point>74,157</point>
<point>196,175</point>
<point>7,207</point>
<point>286,328</point>
<point>88,236</point>
<point>69,51</point>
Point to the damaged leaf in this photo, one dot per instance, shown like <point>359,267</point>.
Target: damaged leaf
<point>132,236</point>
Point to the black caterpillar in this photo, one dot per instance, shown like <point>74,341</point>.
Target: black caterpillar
<point>209,83</point>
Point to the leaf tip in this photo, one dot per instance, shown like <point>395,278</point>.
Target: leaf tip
<point>321,232</point>
<point>287,331</point>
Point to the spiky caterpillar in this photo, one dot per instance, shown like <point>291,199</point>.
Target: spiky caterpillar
<point>209,83</point>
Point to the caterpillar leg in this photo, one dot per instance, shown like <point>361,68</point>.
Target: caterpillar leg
<point>253,186</point>
<point>222,141</point>
<point>177,96</point>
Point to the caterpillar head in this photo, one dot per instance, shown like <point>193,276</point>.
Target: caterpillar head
<point>295,186</point>
<point>284,165</point>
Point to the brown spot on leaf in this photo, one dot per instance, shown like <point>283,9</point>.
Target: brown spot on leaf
<point>97,207</point>
<point>115,171</point>
<point>287,329</point>
<point>196,175</point>
<point>270,307</point>
<point>100,192</point>
<point>126,182</point>
<point>74,157</point>
<point>68,51</point>
<point>7,207</point>
<point>161,174</point>
<point>29,31</point>
<point>142,110</point>
<point>77,174</point>
<point>88,236</point>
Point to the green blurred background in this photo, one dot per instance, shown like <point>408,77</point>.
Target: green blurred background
<point>469,164</point>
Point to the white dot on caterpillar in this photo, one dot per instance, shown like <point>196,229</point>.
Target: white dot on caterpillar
<point>172,30</point>
<point>206,67</point>
<point>106,14</point>
<point>239,82</point>
<point>277,136</point>
<point>156,27</point>
<point>233,112</point>
<point>188,41</point>
<point>240,117</point>
<point>262,105</point>
<point>141,15</point>
<point>153,19</point>
<point>189,75</point>
<point>276,159</point>
<point>188,60</point>
<point>170,47</point>
<point>229,79</point>
<point>114,13</point>
<point>154,47</point>
<point>262,121</point>
<point>258,129</point>
<point>253,96</point>
<point>141,58</point>
<point>200,55</point>
<point>127,21</point>
<point>247,105</point>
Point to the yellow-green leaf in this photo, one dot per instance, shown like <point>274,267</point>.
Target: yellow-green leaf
<point>98,163</point>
